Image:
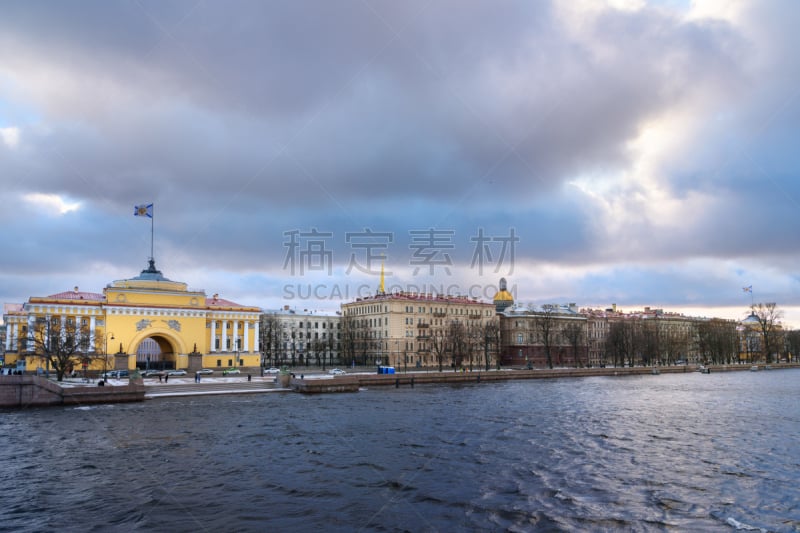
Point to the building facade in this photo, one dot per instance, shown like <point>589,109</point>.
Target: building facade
<point>554,335</point>
<point>416,330</point>
<point>147,321</point>
<point>300,338</point>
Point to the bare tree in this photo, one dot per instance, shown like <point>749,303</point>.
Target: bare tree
<point>623,341</point>
<point>456,342</point>
<point>270,337</point>
<point>574,334</point>
<point>491,342</point>
<point>438,342</point>
<point>793,344</point>
<point>545,326</point>
<point>348,344</point>
<point>650,335</point>
<point>718,341</point>
<point>769,323</point>
<point>674,344</point>
<point>63,344</point>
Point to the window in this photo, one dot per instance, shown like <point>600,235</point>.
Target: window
<point>519,338</point>
<point>219,362</point>
<point>230,362</point>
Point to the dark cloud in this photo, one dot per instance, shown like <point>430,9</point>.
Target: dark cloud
<point>243,120</point>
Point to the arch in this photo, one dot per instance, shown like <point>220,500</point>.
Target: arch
<point>164,337</point>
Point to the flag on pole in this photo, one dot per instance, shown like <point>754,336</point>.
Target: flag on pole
<point>748,289</point>
<point>144,210</point>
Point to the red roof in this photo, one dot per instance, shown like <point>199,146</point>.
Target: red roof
<point>77,295</point>
<point>222,302</point>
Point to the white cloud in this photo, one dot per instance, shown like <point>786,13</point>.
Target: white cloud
<point>10,136</point>
<point>51,203</point>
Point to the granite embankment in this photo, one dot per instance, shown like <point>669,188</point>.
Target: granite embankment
<point>31,391</point>
<point>351,383</point>
<point>34,391</point>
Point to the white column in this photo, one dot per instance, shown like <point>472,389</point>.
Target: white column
<point>213,347</point>
<point>10,332</point>
<point>31,332</point>
<point>246,336</point>
<point>63,328</point>
<point>92,334</point>
<point>255,336</point>
<point>78,330</point>
<point>235,339</point>
<point>224,345</point>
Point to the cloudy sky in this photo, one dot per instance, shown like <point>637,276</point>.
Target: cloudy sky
<point>597,152</point>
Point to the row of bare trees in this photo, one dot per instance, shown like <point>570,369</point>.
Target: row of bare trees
<point>275,336</point>
<point>646,342</point>
<point>716,341</point>
<point>465,344</point>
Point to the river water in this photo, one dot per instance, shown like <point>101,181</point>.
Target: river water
<point>683,452</point>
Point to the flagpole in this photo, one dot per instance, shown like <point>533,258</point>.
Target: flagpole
<point>152,224</point>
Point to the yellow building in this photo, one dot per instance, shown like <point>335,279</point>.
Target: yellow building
<point>145,321</point>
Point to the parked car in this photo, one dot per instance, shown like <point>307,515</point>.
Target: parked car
<point>231,371</point>
<point>336,371</point>
<point>272,370</point>
<point>116,374</point>
<point>152,373</point>
<point>206,371</point>
<point>176,373</point>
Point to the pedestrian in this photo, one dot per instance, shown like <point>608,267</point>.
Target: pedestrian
<point>166,378</point>
<point>159,378</point>
<point>249,377</point>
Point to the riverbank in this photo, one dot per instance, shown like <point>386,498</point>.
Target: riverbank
<point>351,383</point>
<point>35,391</point>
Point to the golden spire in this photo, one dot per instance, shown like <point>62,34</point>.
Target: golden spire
<point>381,287</point>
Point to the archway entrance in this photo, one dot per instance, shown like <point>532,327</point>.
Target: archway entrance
<point>155,353</point>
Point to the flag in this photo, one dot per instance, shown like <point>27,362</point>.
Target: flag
<point>748,289</point>
<point>144,210</point>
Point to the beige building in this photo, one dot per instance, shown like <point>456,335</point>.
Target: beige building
<point>415,330</point>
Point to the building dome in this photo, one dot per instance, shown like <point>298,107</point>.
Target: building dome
<point>503,298</point>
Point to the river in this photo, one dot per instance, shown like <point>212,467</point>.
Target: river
<point>683,452</point>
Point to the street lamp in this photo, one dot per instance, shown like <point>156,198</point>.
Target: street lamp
<point>108,337</point>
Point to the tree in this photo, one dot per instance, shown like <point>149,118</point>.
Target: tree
<point>769,324</point>
<point>793,344</point>
<point>491,337</point>
<point>456,342</point>
<point>63,344</point>
<point>438,341</point>
<point>574,334</point>
<point>623,341</point>
<point>650,335</point>
<point>270,337</point>
<point>545,325</point>
<point>718,340</point>
<point>675,342</point>
<point>349,340</point>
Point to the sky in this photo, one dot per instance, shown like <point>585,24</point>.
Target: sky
<point>597,152</point>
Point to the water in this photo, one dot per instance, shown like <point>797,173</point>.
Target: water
<point>688,452</point>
